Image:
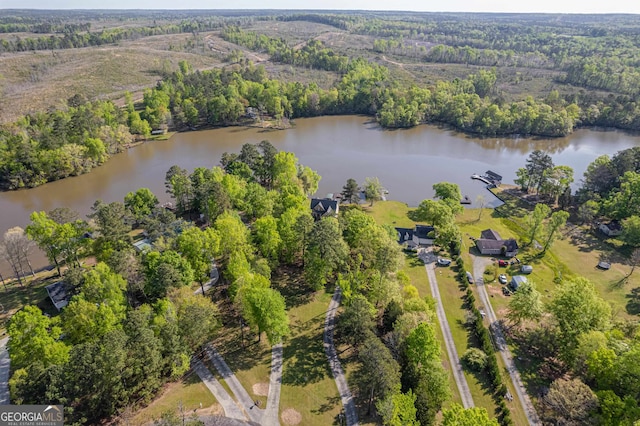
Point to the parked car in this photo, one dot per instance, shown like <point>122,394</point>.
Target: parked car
<point>503,263</point>
<point>502,278</point>
<point>469,277</point>
<point>506,291</point>
<point>526,269</point>
<point>444,262</point>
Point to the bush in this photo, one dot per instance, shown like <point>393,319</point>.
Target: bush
<point>474,359</point>
<point>490,273</point>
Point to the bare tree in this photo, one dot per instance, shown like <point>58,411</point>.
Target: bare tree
<point>481,202</point>
<point>16,250</point>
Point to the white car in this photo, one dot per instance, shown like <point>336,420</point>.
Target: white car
<point>444,262</point>
<point>502,278</point>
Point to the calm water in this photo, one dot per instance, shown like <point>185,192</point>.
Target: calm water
<point>407,162</point>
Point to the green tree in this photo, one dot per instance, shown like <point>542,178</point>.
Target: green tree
<point>630,231</point>
<point>460,416</point>
<point>526,304</point>
<point>140,203</point>
<point>267,238</point>
<point>164,271</point>
<point>625,201</point>
<point>398,410</point>
<point>557,181</point>
<point>350,192</point>
<point>535,220</point>
<point>380,373</point>
<point>356,323</point>
<point>197,318</point>
<point>34,337</point>
<point>450,194</point>
<point>537,165</point>
<point>85,321</point>
<point>556,221</point>
<point>44,231</point>
<point>372,190</point>
<point>234,235</point>
<point>326,251</point>
<point>434,212</point>
<point>199,248</point>
<point>264,308</point>
<point>576,309</point>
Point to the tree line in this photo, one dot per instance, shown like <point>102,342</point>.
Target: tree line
<point>80,38</point>
<point>313,54</point>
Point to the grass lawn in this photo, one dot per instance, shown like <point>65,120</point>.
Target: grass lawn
<point>249,359</point>
<point>14,297</point>
<point>190,391</point>
<point>307,384</point>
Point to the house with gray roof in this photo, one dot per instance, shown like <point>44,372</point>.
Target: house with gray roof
<point>324,207</point>
<point>58,294</point>
<point>421,235</point>
<point>490,243</point>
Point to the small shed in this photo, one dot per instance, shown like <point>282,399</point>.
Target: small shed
<point>517,281</point>
<point>526,269</point>
<point>58,294</point>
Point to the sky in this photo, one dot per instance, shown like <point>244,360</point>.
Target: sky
<point>532,6</point>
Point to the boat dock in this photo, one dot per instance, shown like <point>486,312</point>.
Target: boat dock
<point>481,178</point>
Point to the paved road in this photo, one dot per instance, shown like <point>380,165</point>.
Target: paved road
<point>228,405</point>
<point>479,265</point>
<point>336,369</point>
<point>271,412</point>
<point>253,413</point>
<point>463,387</point>
<point>4,372</point>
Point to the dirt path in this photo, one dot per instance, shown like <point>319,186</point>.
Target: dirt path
<point>429,260</point>
<point>334,363</point>
<point>479,265</point>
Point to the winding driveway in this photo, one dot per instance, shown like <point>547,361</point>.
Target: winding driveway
<point>479,265</point>
<point>429,260</point>
<point>334,363</point>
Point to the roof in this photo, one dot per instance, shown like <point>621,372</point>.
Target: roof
<point>143,245</point>
<point>58,294</point>
<point>422,231</point>
<point>614,225</point>
<point>510,244</point>
<point>493,175</point>
<point>323,205</point>
<point>490,234</point>
<point>404,234</point>
<point>518,280</point>
<point>485,244</point>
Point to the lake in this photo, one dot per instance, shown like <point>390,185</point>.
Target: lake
<point>407,162</point>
